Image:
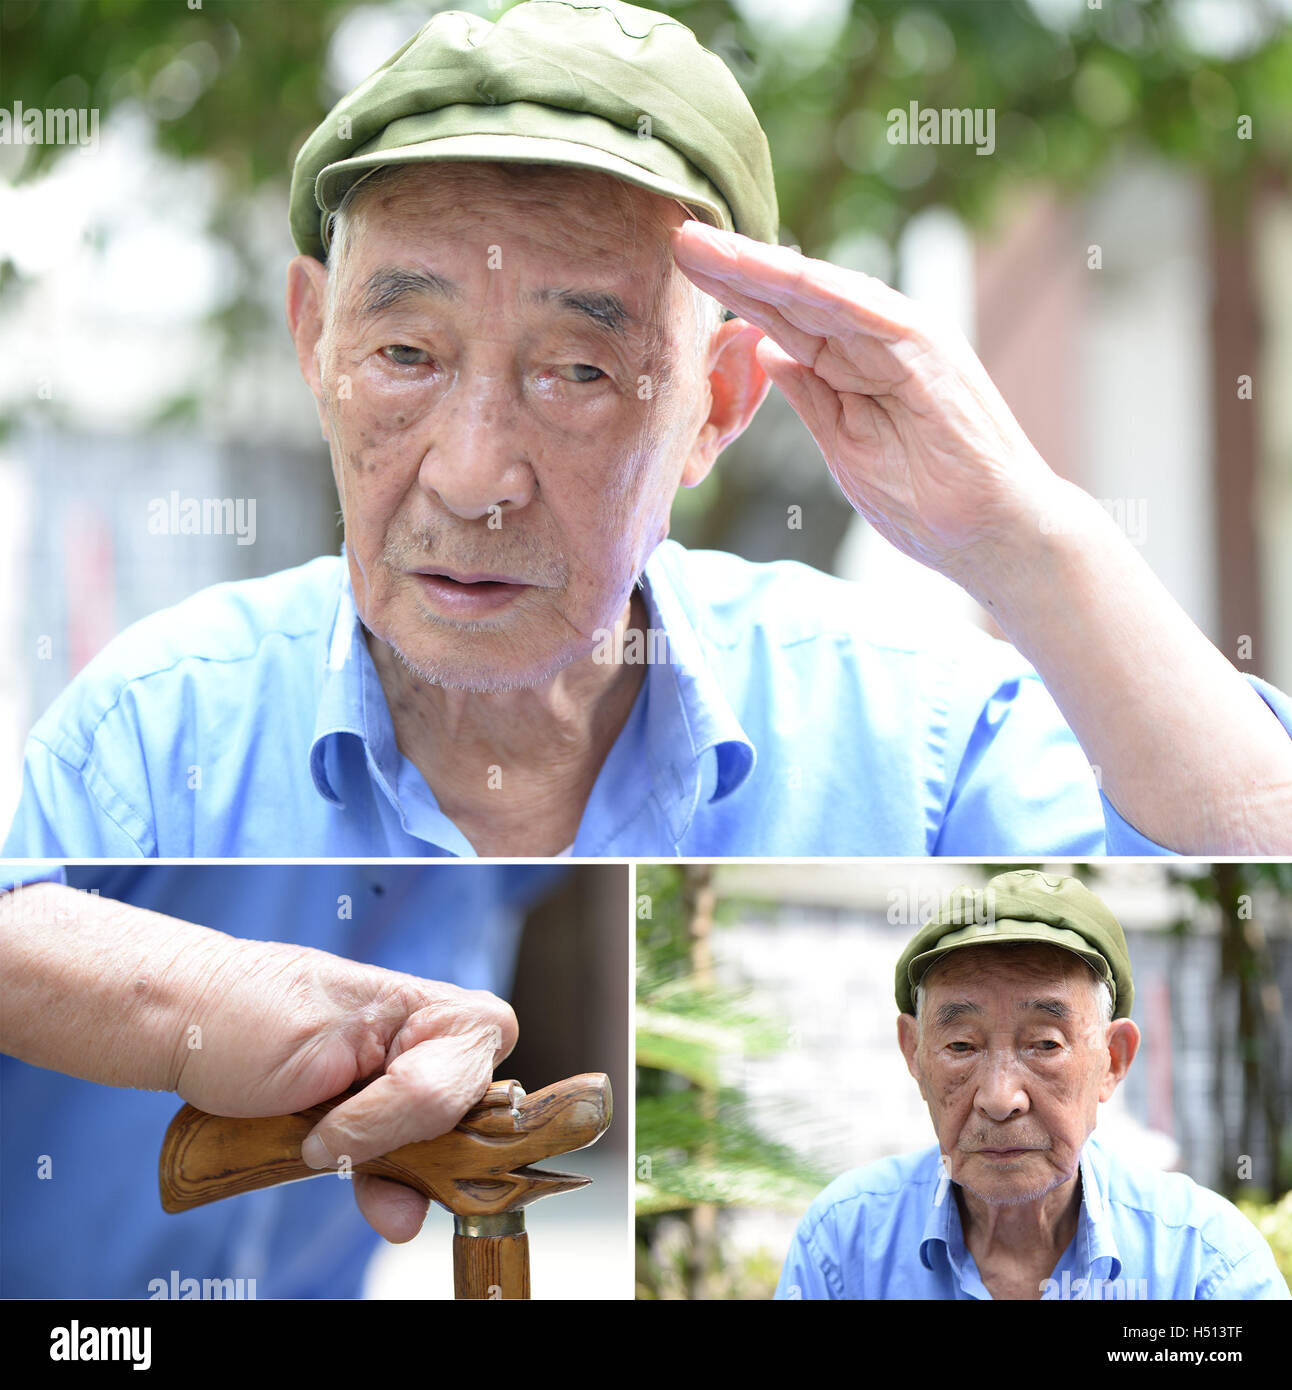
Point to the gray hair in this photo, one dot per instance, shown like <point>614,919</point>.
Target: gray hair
<point>707,313</point>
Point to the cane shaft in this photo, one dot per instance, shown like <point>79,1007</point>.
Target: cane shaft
<point>491,1266</point>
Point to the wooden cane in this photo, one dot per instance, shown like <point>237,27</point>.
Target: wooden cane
<point>478,1171</point>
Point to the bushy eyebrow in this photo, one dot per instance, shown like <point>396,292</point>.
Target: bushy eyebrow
<point>953,1012</point>
<point>392,284</point>
<point>605,309</point>
<point>1056,1007</point>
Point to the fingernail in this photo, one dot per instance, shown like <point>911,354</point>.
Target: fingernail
<point>314,1153</point>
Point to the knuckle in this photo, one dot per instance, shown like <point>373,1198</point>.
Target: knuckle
<point>489,1009</point>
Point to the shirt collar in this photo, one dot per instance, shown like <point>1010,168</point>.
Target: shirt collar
<point>339,711</point>
<point>1096,1245</point>
<point>1095,1249</point>
<point>688,712</point>
<point>942,1222</point>
<point>351,701</point>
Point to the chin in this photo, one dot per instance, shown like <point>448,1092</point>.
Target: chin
<point>1014,1198</point>
<point>1028,1183</point>
<point>483,661</point>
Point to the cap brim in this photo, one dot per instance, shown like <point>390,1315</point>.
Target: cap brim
<point>683,183</point>
<point>1003,933</point>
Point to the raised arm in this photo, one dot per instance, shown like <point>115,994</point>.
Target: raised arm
<point>923,446</point>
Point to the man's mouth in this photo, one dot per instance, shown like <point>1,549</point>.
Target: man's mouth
<point>468,594</point>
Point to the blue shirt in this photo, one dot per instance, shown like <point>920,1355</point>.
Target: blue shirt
<point>790,718</point>
<point>892,1230</point>
<point>92,1226</point>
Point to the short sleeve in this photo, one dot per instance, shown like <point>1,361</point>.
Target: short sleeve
<point>1025,788</point>
<point>1278,702</point>
<point>810,1270</point>
<point>62,815</point>
<point>1254,1278</point>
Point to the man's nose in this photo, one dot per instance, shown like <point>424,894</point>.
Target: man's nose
<point>1000,1092</point>
<point>477,460</point>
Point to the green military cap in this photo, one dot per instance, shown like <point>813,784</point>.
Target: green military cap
<point>605,86</point>
<point>1023,906</point>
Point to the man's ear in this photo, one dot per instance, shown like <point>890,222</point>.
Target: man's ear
<point>908,1039</point>
<point>1123,1044</point>
<point>306,296</point>
<point>737,387</point>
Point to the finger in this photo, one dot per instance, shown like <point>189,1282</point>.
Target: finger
<point>815,296</point>
<point>391,1209</point>
<point>783,277</point>
<point>423,1094</point>
<point>802,346</point>
<point>462,1010</point>
<point>859,365</point>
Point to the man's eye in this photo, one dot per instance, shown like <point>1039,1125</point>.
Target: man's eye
<point>581,372</point>
<point>1047,1045</point>
<point>405,356</point>
<point>960,1046</point>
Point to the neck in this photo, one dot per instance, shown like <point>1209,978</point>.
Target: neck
<point>513,771</point>
<point>1017,1247</point>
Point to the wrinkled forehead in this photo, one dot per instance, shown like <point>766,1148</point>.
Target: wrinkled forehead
<point>974,971</point>
<point>541,215</point>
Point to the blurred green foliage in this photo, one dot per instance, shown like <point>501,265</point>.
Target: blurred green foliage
<point>697,1145</point>
<point>238,85</point>
<point>242,82</point>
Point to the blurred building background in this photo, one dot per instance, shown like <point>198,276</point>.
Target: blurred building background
<point>812,948</point>
<point>1122,260</point>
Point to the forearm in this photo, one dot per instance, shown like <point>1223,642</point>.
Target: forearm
<point>99,989</point>
<point>1185,748</point>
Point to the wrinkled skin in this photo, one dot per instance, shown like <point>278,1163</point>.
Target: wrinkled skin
<point>123,996</point>
<point>489,403</point>
<point>285,1027</point>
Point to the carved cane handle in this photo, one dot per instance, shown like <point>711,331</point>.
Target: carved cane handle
<point>479,1168</point>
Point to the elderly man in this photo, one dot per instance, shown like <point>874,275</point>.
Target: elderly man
<point>514,240</point>
<point>1015,1024</point>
